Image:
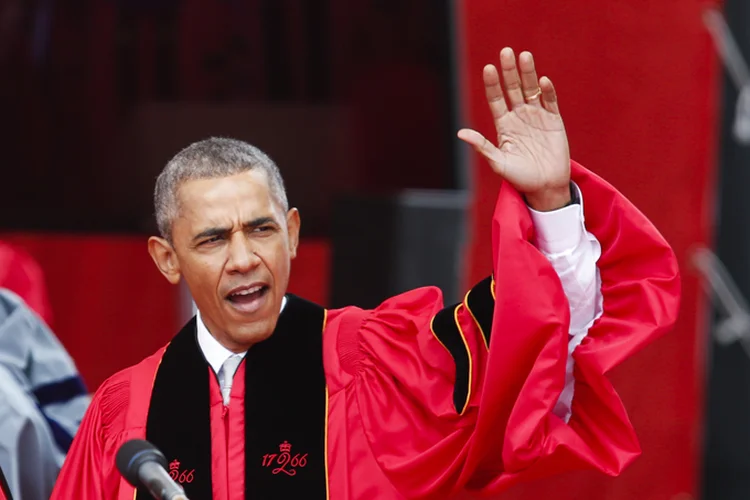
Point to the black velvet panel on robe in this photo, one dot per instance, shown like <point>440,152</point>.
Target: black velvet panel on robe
<point>481,304</point>
<point>285,410</point>
<point>446,329</point>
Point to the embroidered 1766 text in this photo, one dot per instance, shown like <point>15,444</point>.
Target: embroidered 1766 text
<point>284,461</point>
<point>186,476</point>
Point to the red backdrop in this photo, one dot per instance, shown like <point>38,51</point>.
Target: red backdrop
<point>637,84</point>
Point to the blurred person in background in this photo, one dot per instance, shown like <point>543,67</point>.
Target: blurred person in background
<point>266,395</point>
<point>42,400</point>
<point>32,469</point>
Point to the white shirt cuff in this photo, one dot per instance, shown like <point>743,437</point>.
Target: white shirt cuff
<point>560,230</point>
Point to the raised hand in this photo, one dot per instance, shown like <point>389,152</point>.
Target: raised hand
<point>532,147</point>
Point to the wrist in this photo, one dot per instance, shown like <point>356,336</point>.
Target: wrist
<point>550,199</point>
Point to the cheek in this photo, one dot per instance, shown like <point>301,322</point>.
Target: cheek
<point>278,260</point>
<point>202,275</point>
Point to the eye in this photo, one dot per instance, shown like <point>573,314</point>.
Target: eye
<point>262,229</point>
<point>212,239</point>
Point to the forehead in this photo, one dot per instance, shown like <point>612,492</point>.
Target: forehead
<point>246,194</point>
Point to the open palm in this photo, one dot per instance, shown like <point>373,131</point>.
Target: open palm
<point>532,147</point>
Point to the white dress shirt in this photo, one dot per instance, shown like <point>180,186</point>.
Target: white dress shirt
<point>573,252</point>
<point>215,353</point>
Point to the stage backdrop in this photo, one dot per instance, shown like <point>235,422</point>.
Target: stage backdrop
<point>637,84</point>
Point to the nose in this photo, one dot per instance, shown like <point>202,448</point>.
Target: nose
<point>242,257</point>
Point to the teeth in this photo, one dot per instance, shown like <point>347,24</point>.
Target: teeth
<point>249,290</point>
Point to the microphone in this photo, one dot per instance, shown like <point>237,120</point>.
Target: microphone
<point>144,466</point>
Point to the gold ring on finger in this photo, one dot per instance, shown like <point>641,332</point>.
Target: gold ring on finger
<point>535,95</point>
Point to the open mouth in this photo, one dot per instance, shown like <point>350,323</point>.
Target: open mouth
<point>248,299</point>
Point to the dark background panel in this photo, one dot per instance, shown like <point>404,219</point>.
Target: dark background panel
<point>349,97</point>
<point>727,445</point>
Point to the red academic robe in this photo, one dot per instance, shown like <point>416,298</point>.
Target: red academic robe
<point>4,489</point>
<point>419,400</point>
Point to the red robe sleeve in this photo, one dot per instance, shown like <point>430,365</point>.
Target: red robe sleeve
<point>461,397</point>
<point>89,467</point>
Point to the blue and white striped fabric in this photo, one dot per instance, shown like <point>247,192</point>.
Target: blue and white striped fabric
<point>42,400</point>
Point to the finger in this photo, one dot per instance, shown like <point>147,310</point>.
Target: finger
<point>529,80</point>
<point>494,92</point>
<point>483,146</point>
<point>511,80</point>
<point>549,96</point>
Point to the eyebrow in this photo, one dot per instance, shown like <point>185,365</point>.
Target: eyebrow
<point>219,231</point>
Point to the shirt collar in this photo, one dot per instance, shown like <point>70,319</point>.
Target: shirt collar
<point>215,353</point>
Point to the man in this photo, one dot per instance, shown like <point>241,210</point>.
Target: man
<point>42,400</point>
<point>410,400</point>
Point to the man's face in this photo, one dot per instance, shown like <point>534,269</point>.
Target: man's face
<point>233,245</point>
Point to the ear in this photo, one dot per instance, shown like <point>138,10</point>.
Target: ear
<point>165,258</point>
<point>292,226</point>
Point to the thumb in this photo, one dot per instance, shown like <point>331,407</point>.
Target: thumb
<point>484,147</point>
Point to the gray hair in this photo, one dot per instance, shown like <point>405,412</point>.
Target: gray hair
<point>210,158</point>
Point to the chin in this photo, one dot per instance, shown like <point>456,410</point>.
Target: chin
<point>247,335</point>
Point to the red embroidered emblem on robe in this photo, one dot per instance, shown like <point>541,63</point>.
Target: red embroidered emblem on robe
<point>284,461</point>
<point>185,476</point>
